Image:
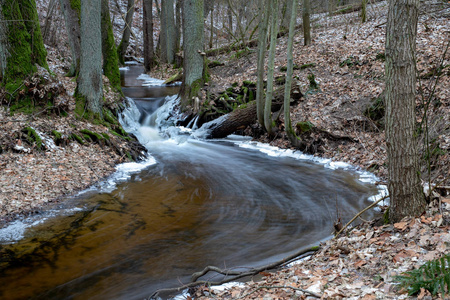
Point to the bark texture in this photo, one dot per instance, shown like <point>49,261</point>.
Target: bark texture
<point>110,57</point>
<point>264,9</point>
<point>21,45</point>
<point>71,11</point>
<point>168,35</point>
<point>149,58</point>
<point>404,183</point>
<point>123,46</point>
<point>306,22</point>
<point>89,82</point>
<point>193,41</point>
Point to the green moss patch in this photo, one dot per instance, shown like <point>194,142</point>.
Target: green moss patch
<point>33,138</point>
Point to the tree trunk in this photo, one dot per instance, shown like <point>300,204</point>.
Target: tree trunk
<point>405,191</point>
<point>289,73</point>
<point>89,91</point>
<point>149,58</point>
<point>264,9</point>
<point>211,35</point>
<point>71,11</point>
<point>122,49</point>
<point>364,11</point>
<point>167,34</point>
<point>270,66</point>
<point>193,61</point>
<point>21,45</point>
<point>306,22</point>
<point>178,9</point>
<point>110,57</point>
<point>48,20</point>
<point>242,117</point>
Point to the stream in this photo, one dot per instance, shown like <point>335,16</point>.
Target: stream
<point>192,203</point>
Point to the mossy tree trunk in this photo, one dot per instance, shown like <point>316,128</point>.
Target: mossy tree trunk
<point>289,73</point>
<point>71,11</point>
<point>89,92</point>
<point>270,65</point>
<point>110,57</point>
<point>193,43</point>
<point>149,54</point>
<point>123,46</point>
<point>167,34</point>
<point>306,22</point>
<point>404,186</point>
<point>364,11</point>
<point>178,21</point>
<point>264,9</point>
<point>21,45</point>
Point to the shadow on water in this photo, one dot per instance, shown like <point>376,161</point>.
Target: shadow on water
<point>202,203</point>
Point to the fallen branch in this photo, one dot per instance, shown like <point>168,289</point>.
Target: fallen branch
<point>358,214</point>
<point>282,287</point>
<point>237,275</point>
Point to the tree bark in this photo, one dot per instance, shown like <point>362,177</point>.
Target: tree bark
<point>264,9</point>
<point>89,91</point>
<point>405,191</point>
<point>306,22</point>
<point>242,117</point>
<point>71,11</point>
<point>289,73</point>
<point>109,51</point>
<point>21,45</point>
<point>149,58</point>
<point>168,36</point>
<point>193,61</point>
<point>270,66</point>
<point>123,46</point>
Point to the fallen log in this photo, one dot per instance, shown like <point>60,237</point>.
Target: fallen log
<point>245,114</point>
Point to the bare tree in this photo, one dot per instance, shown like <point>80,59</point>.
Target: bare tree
<point>122,48</point>
<point>89,90</point>
<point>193,41</point>
<point>306,22</point>
<point>167,34</point>
<point>264,9</point>
<point>270,66</point>
<point>405,191</point>
<point>71,11</point>
<point>149,58</point>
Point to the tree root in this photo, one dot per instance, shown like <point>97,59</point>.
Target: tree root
<point>235,274</point>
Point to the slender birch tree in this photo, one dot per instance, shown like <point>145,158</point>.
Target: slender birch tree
<point>264,9</point>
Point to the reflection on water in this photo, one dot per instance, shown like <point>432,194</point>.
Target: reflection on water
<point>202,203</point>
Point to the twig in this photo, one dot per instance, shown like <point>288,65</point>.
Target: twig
<point>358,214</point>
<point>237,275</point>
<point>281,287</point>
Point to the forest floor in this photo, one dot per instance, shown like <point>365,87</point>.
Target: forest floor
<point>347,60</point>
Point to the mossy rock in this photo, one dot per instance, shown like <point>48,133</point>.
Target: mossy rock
<point>77,138</point>
<point>313,85</point>
<point>33,137</point>
<point>306,66</point>
<point>304,127</point>
<point>214,63</point>
<point>95,137</point>
<point>249,83</point>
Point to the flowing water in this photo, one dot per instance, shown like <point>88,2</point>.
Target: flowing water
<point>194,203</point>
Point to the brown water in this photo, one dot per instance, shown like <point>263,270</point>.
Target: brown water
<point>202,203</point>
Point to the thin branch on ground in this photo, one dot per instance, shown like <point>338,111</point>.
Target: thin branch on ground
<point>282,287</point>
<point>359,214</point>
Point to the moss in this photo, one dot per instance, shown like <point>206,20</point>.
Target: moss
<point>110,56</point>
<point>25,105</point>
<point>95,137</point>
<point>76,5</point>
<point>214,63</point>
<point>109,117</point>
<point>105,136</point>
<point>234,84</point>
<point>33,137</point>
<point>57,134</point>
<point>312,81</point>
<point>248,83</point>
<point>77,138</point>
<point>307,66</point>
<point>303,127</point>
<point>386,219</point>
